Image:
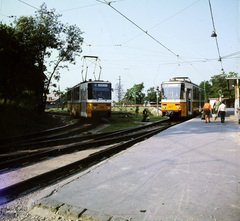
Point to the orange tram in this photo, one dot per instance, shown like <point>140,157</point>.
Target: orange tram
<point>181,98</point>
<point>90,99</point>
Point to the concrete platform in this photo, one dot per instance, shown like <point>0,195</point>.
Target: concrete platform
<point>189,172</point>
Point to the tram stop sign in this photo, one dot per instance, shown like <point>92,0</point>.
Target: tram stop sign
<point>220,92</point>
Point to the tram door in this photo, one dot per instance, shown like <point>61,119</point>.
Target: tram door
<point>189,101</point>
<point>83,102</point>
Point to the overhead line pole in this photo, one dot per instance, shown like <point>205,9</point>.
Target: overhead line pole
<point>220,59</point>
<point>119,92</point>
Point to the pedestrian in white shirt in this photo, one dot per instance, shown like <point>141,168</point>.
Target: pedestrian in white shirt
<point>222,110</point>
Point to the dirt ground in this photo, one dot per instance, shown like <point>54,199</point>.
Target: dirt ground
<point>19,210</point>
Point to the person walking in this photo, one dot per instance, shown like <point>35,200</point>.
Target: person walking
<point>222,110</point>
<point>207,109</point>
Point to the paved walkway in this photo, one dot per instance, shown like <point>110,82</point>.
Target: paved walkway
<point>189,172</point>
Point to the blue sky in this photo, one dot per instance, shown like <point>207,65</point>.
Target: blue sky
<point>180,28</point>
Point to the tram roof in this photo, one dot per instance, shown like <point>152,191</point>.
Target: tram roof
<point>90,81</point>
<point>179,80</point>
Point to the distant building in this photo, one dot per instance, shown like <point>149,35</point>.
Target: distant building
<point>51,100</point>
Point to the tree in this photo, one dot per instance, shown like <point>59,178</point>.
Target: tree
<point>218,82</point>
<point>62,97</point>
<point>152,95</point>
<point>208,87</point>
<point>52,42</point>
<point>119,92</point>
<point>135,93</point>
<point>17,64</point>
<point>232,74</point>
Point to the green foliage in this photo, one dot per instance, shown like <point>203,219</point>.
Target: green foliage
<point>39,47</point>
<point>152,95</point>
<point>137,110</point>
<point>20,80</point>
<point>216,83</point>
<point>135,93</point>
<point>122,120</point>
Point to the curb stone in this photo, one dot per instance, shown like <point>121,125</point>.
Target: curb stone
<point>52,208</point>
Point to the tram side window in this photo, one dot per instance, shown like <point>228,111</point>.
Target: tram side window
<point>69,95</point>
<point>76,93</point>
<point>202,98</point>
<point>182,95</point>
<point>195,93</point>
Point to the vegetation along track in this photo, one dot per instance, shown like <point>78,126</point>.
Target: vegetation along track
<point>118,141</point>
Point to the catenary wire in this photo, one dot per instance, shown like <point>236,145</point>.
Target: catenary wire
<point>27,4</point>
<point>163,21</point>
<point>220,59</point>
<point>109,4</point>
<point>139,28</point>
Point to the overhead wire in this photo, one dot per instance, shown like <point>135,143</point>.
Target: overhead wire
<point>27,4</point>
<point>109,3</point>
<point>230,55</point>
<point>146,32</point>
<point>71,9</point>
<point>214,29</point>
<point>164,20</point>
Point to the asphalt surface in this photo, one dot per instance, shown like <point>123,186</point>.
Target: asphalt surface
<point>188,172</point>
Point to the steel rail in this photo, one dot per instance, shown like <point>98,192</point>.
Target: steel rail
<point>36,157</point>
<point>35,183</point>
<point>21,138</point>
<point>60,140</point>
<point>39,141</point>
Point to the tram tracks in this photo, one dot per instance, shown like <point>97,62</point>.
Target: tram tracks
<point>111,144</point>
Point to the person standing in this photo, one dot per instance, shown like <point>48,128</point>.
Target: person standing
<point>207,109</point>
<point>223,110</point>
<point>216,104</point>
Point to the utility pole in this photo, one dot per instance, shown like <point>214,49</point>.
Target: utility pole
<point>157,89</point>
<point>119,92</point>
<point>205,92</point>
<point>135,94</point>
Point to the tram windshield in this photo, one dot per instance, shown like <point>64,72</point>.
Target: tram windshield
<point>172,91</point>
<point>99,91</point>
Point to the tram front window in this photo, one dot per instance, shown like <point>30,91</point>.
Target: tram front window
<point>99,91</point>
<point>172,91</point>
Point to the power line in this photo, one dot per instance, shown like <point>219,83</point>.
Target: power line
<point>230,55</point>
<point>109,4</point>
<point>28,4</point>
<point>78,7</point>
<point>163,20</point>
<point>215,35</point>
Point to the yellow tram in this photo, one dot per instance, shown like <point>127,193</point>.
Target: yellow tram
<point>181,98</point>
<point>90,99</point>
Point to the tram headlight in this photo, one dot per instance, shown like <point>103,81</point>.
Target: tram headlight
<point>108,108</point>
<point>164,107</point>
<point>177,107</point>
<point>94,108</point>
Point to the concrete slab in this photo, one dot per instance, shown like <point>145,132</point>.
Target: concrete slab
<point>189,172</point>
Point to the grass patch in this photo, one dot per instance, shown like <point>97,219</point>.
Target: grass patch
<point>123,117</point>
<point>58,110</point>
<point>127,119</point>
